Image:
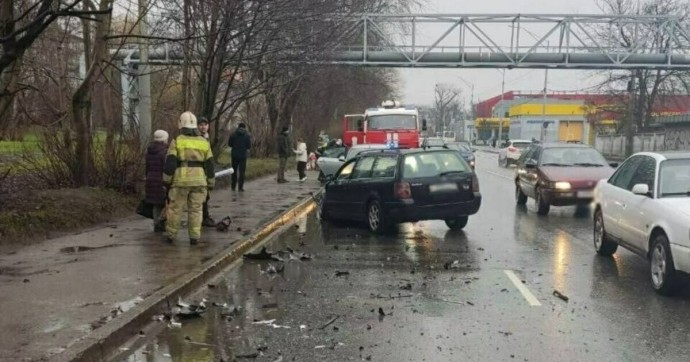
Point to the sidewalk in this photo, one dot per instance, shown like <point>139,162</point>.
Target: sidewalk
<point>56,292</point>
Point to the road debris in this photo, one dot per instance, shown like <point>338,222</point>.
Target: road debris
<point>560,295</point>
<point>455,264</point>
<point>330,322</point>
<point>224,224</point>
<point>186,310</point>
<point>263,255</point>
<point>272,269</point>
<point>341,273</point>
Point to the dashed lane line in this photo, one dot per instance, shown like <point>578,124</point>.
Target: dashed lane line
<point>531,299</point>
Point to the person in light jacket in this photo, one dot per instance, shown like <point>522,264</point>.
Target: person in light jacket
<point>302,156</point>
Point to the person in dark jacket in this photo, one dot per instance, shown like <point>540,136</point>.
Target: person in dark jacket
<point>240,142</point>
<point>156,192</point>
<point>284,151</point>
<point>203,126</point>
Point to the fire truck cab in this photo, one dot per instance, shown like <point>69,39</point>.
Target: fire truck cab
<point>390,124</point>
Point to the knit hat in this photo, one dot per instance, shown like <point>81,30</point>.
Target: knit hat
<point>160,136</point>
<point>201,120</point>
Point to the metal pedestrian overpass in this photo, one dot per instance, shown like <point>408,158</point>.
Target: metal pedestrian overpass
<point>494,41</point>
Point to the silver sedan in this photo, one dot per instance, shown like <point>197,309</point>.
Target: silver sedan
<point>331,165</point>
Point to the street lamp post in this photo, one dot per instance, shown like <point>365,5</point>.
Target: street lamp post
<point>501,114</point>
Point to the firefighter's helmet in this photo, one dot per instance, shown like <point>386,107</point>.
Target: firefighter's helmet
<point>187,120</point>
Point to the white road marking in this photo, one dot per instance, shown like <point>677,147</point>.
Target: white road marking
<point>497,174</point>
<point>531,299</point>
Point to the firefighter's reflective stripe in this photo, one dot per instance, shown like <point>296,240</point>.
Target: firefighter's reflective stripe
<point>185,149</point>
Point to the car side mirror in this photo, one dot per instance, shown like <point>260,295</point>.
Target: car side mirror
<point>424,125</point>
<point>530,164</point>
<point>341,158</point>
<point>641,189</point>
<point>328,178</point>
<point>613,164</point>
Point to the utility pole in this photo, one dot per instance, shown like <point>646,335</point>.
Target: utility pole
<point>543,107</point>
<point>144,77</point>
<point>500,116</point>
<point>629,134</point>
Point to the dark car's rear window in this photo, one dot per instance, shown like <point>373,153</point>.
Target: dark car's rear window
<point>432,164</point>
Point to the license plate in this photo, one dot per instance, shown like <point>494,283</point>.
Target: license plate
<point>443,187</point>
<point>585,194</point>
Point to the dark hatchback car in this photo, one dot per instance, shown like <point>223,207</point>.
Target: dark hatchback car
<point>559,174</point>
<point>464,150</point>
<point>386,187</point>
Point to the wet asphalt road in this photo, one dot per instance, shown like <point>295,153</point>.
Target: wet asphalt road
<point>495,302</point>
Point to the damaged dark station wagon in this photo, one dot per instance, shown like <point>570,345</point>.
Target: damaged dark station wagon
<point>390,186</point>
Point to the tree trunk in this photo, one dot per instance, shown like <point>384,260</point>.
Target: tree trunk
<point>81,100</point>
<point>186,72</point>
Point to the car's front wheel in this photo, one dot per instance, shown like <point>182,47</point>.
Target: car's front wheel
<point>457,223</point>
<point>376,217</point>
<point>663,272</point>
<point>602,244</point>
<point>542,206</point>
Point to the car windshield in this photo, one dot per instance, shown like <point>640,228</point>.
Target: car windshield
<point>334,152</point>
<point>572,156</point>
<point>433,164</point>
<point>674,178</point>
<point>392,121</point>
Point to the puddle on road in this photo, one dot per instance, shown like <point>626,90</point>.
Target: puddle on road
<point>79,249</point>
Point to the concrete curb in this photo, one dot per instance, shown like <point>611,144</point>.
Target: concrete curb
<point>101,343</point>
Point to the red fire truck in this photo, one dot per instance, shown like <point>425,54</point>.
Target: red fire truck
<point>391,124</point>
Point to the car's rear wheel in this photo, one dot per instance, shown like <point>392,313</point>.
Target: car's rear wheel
<point>457,223</point>
<point>520,196</point>
<point>602,244</point>
<point>376,217</point>
<point>322,211</point>
<point>542,207</point>
<point>663,272</point>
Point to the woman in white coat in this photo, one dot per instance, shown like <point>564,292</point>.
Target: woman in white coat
<point>302,156</point>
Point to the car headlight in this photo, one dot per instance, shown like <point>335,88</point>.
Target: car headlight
<point>561,185</point>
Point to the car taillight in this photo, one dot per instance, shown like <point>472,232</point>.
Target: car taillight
<point>475,183</point>
<point>402,190</point>
<point>512,149</point>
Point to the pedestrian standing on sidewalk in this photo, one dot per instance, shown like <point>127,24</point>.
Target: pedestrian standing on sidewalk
<point>207,220</point>
<point>156,192</point>
<point>189,170</point>
<point>240,142</point>
<point>301,155</point>
<point>283,153</point>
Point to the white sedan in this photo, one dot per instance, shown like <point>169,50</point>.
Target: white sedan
<point>645,207</point>
<point>511,151</point>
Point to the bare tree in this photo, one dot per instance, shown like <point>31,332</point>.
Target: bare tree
<point>649,89</point>
<point>446,103</point>
<point>21,23</point>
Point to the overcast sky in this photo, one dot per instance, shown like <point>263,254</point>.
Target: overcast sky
<point>418,84</point>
